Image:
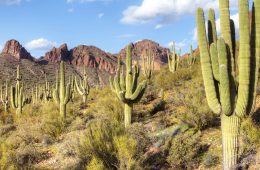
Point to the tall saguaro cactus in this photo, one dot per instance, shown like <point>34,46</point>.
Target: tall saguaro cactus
<point>47,90</point>
<point>127,88</point>
<point>173,61</point>
<point>229,94</point>
<point>4,96</point>
<point>61,93</point>
<point>17,93</point>
<point>148,64</point>
<point>82,86</point>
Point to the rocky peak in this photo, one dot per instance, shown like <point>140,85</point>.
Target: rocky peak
<point>93,57</point>
<point>15,49</point>
<point>159,53</point>
<point>55,55</point>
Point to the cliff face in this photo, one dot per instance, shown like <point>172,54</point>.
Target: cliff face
<point>55,55</point>
<point>15,49</point>
<point>139,48</point>
<point>93,57</point>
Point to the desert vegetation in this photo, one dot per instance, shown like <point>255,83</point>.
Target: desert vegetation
<point>196,112</point>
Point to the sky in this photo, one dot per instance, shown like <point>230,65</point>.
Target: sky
<point>110,25</point>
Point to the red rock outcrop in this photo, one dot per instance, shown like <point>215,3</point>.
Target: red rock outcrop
<point>159,53</point>
<point>93,57</point>
<point>15,49</point>
<point>55,55</point>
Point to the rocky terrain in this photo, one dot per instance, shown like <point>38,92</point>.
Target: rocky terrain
<point>100,64</point>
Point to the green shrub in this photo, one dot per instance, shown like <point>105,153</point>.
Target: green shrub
<point>210,160</point>
<point>184,150</point>
<point>109,146</point>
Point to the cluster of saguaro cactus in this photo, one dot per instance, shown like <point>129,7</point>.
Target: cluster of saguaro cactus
<point>82,86</point>
<point>127,88</point>
<point>148,64</point>
<point>4,96</point>
<point>191,58</point>
<point>17,94</point>
<point>62,92</point>
<point>230,92</point>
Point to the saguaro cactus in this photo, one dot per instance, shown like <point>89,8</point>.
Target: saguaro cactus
<point>17,93</point>
<point>148,64</point>
<point>128,90</point>
<point>47,91</point>
<point>82,86</point>
<point>61,93</point>
<point>191,58</point>
<point>173,62</point>
<point>230,96</point>
<point>4,96</point>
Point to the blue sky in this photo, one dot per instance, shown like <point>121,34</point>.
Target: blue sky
<point>108,24</point>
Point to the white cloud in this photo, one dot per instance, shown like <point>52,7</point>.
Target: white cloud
<point>71,10</point>
<point>100,15</point>
<point>40,44</point>
<point>234,17</point>
<point>179,45</point>
<point>123,36</point>
<point>165,10</point>
<point>10,2</point>
<point>158,26</point>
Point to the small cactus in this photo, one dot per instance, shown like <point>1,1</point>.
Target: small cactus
<point>4,96</point>
<point>83,87</point>
<point>62,93</point>
<point>17,94</point>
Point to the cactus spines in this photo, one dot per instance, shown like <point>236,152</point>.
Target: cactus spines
<point>148,64</point>
<point>4,96</point>
<point>173,60</point>
<point>17,93</point>
<point>83,87</point>
<point>127,89</point>
<point>61,93</point>
<point>225,96</point>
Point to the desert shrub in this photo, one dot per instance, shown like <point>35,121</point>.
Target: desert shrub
<point>111,145</point>
<point>210,160</point>
<point>167,80</point>
<point>106,105</point>
<point>184,150</point>
<point>250,132</point>
<point>53,126</point>
<point>16,153</point>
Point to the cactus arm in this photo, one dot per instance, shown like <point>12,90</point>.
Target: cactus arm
<point>244,59</point>
<point>67,94</point>
<point>13,97</point>
<point>212,31</point>
<point>214,60</point>
<point>255,46</point>
<point>122,81</point>
<point>80,91</point>
<point>138,92</point>
<point>206,65</point>
<point>224,82</point>
<point>135,78</point>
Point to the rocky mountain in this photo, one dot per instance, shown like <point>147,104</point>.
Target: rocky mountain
<point>100,64</point>
<point>15,49</point>
<point>140,47</point>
